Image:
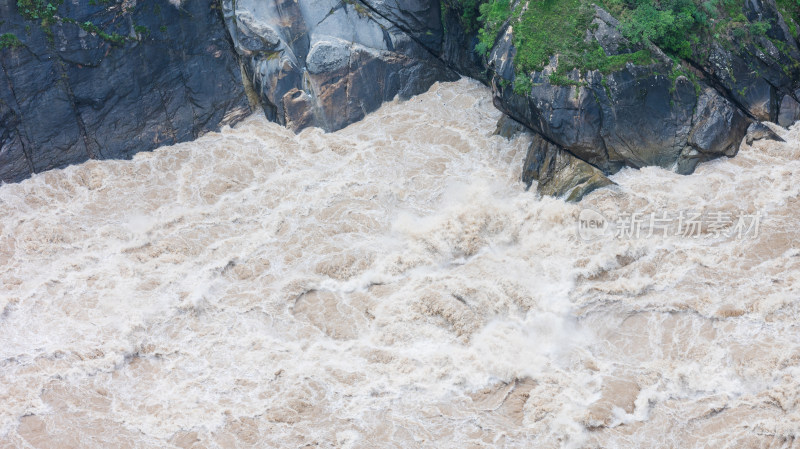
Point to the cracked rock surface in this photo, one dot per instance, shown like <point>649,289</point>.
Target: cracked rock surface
<point>69,95</point>
<point>328,62</point>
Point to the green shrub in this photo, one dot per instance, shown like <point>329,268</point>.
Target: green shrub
<point>670,24</point>
<point>759,28</point>
<point>9,40</point>
<point>522,84</point>
<point>493,15</point>
<point>37,9</point>
<point>113,38</point>
<point>141,30</point>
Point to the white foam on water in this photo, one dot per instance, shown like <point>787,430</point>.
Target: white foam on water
<point>393,285</point>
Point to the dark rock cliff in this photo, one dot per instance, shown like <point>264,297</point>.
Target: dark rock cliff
<point>105,80</point>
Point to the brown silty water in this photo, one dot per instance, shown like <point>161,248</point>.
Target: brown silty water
<point>394,285</point>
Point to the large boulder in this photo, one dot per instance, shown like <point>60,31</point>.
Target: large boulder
<point>637,115</point>
<point>789,111</point>
<point>327,63</point>
<point>109,79</point>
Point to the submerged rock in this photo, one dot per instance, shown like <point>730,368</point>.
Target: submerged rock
<point>760,131</point>
<point>558,173</point>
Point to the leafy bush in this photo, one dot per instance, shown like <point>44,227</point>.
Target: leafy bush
<point>669,25</point>
<point>543,28</point>
<point>113,38</point>
<point>37,9</point>
<point>142,30</point>
<point>493,15</point>
<point>9,40</point>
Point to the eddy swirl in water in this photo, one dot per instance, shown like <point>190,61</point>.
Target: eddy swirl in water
<point>393,285</point>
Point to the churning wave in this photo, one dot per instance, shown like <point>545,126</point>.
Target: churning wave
<point>393,284</point>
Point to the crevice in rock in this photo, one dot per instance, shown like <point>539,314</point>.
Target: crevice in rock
<point>16,110</point>
<point>64,79</point>
<point>349,76</point>
<point>715,84</point>
<point>411,36</point>
<point>544,137</point>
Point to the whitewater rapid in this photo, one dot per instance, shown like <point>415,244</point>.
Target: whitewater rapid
<point>393,284</point>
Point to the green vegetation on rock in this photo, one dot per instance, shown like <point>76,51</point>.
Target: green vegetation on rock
<point>544,28</point>
<point>113,38</point>
<point>493,15</point>
<point>38,9</point>
<point>790,9</point>
<point>9,40</point>
<point>142,30</point>
<point>45,12</point>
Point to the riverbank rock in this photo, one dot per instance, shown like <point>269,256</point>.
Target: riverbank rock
<point>558,173</point>
<point>757,72</point>
<point>108,79</point>
<point>760,131</point>
<point>789,110</point>
<point>635,116</point>
<point>327,63</point>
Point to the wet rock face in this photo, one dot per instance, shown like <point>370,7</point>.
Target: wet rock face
<point>69,95</point>
<point>559,173</point>
<point>327,63</point>
<point>789,111</point>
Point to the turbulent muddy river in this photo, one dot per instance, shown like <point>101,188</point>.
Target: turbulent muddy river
<point>393,285</point>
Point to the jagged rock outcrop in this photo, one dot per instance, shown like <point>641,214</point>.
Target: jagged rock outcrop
<point>653,114</point>
<point>789,111</point>
<point>327,63</point>
<point>760,131</point>
<point>107,79</point>
<point>755,73</point>
<point>559,173</point>
<point>635,116</point>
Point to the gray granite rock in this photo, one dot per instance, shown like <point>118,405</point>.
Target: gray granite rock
<point>789,110</point>
<point>760,131</point>
<point>332,61</point>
